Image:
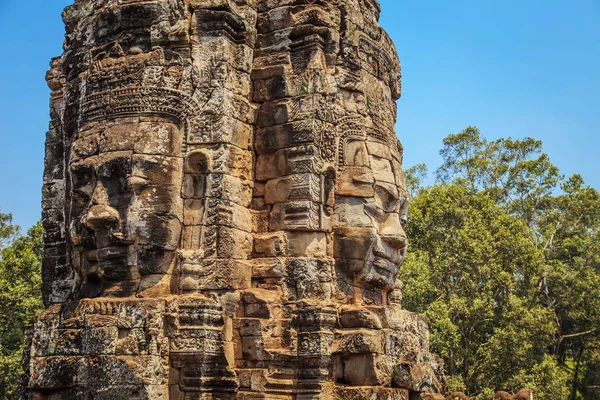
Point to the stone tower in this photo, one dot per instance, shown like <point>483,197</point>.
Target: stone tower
<point>224,206</point>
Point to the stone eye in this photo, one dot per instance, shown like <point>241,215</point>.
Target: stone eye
<point>82,184</point>
<point>81,194</point>
<point>388,198</point>
<point>135,183</point>
<point>376,212</point>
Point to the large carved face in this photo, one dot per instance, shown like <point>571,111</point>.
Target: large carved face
<point>125,204</point>
<point>371,207</point>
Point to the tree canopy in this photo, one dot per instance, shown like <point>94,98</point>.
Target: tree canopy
<point>20,297</point>
<point>504,263</point>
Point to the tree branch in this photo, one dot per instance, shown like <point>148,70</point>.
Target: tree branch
<point>573,335</point>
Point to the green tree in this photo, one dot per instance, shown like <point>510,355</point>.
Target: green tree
<point>589,385</point>
<point>470,272</point>
<point>505,263</point>
<point>414,177</point>
<point>515,173</point>
<point>569,232</point>
<point>20,300</point>
<point>8,231</point>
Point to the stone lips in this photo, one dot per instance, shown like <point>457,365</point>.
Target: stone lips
<point>224,207</point>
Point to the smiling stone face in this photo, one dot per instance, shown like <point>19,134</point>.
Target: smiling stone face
<point>125,204</point>
<point>371,211</point>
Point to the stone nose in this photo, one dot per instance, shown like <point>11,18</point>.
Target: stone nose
<point>392,233</point>
<point>100,215</point>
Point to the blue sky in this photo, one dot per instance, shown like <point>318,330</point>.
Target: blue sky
<point>511,67</point>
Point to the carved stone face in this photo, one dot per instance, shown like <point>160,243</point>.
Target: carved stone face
<point>125,204</point>
<point>371,208</point>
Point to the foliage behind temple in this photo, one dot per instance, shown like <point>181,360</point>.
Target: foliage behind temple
<point>504,263</point>
<point>20,297</point>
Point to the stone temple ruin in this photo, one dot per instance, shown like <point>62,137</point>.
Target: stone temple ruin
<point>224,206</point>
